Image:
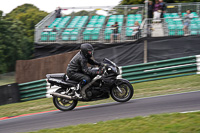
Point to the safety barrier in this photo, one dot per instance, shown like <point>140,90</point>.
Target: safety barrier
<point>162,69</point>
<point>134,73</point>
<point>33,90</point>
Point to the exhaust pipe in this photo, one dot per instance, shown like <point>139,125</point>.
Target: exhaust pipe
<point>62,96</point>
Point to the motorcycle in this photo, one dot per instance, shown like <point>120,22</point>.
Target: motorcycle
<point>101,87</point>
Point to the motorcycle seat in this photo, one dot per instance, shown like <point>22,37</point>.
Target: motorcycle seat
<point>71,81</point>
<point>57,76</point>
<point>61,76</point>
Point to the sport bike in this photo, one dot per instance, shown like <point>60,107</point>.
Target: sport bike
<point>102,86</point>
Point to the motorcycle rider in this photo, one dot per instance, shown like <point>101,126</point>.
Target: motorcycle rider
<point>78,70</point>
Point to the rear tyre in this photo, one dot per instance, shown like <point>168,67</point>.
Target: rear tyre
<point>126,93</point>
<point>64,104</point>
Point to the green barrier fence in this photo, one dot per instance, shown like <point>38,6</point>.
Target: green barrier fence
<point>134,73</point>
<point>161,69</point>
<point>33,90</point>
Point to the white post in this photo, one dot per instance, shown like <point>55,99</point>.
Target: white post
<point>145,51</point>
<point>146,16</point>
<point>146,8</point>
<point>198,63</point>
<point>145,26</point>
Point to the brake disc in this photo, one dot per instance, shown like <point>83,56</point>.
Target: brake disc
<point>64,101</point>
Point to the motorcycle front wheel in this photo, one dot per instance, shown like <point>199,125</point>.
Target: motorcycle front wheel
<point>122,92</point>
<point>64,104</point>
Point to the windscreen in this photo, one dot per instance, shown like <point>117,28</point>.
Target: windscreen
<point>109,62</point>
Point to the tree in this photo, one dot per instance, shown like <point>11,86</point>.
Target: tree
<point>13,44</point>
<point>16,35</point>
<point>1,13</point>
<point>4,41</point>
<point>29,15</point>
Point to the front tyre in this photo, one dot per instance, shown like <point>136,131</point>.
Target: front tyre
<point>64,104</point>
<point>125,93</point>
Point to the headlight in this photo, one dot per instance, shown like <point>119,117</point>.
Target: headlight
<point>114,69</point>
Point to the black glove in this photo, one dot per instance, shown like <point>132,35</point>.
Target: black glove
<point>103,65</point>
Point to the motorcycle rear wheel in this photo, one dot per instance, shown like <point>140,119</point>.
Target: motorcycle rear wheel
<point>125,95</point>
<point>64,104</point>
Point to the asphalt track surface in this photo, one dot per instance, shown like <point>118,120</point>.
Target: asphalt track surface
<point>91,114</point>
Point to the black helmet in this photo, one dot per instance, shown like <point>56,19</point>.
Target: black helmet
<point>87,50</point>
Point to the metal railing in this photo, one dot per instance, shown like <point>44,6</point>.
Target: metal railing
<point>182,7</point>
<point>91,34</point>
<point>41,25</point>
<point>153,27</point>
<point>148,28</point>
<point>170,27</point>
<point>102,37</point>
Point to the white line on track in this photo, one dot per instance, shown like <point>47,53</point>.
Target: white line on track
<point>190,111</point>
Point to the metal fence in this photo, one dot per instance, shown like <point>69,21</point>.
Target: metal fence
<point>102,37</point>
<point>182,7</point>
<point>41,25</point>
<point>149,27</point>
<point>153,27</point>
<point>91,34</point>
<point>170,27</point>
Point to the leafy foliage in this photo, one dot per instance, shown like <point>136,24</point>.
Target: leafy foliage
<point>16,35</point>
<point>14,44</point>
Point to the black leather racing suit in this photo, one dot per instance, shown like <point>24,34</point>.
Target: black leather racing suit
<point>78,70</point>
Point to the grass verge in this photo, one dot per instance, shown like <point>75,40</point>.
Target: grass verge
<point>7,78</point>
<point>145,89</point>
<point>162,123</point>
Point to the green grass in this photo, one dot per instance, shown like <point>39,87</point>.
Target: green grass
<point>145,89</point>
<point>162,123</point>
<point>167,86</point>
<point>7,78</point>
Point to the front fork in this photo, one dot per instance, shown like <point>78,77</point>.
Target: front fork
<point>119,89</point>
<point>117,83</point>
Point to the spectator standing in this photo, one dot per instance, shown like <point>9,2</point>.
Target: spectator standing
<point>58,12</point>
<point>136,30</point>
<point>136,26</point>
<point>187,17</point>
<point>115,34</point>
<point>163,7</point>
<point>150,9</point>
<point>54,29</point>
<point>46,29</point>
<point>157,10</point>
